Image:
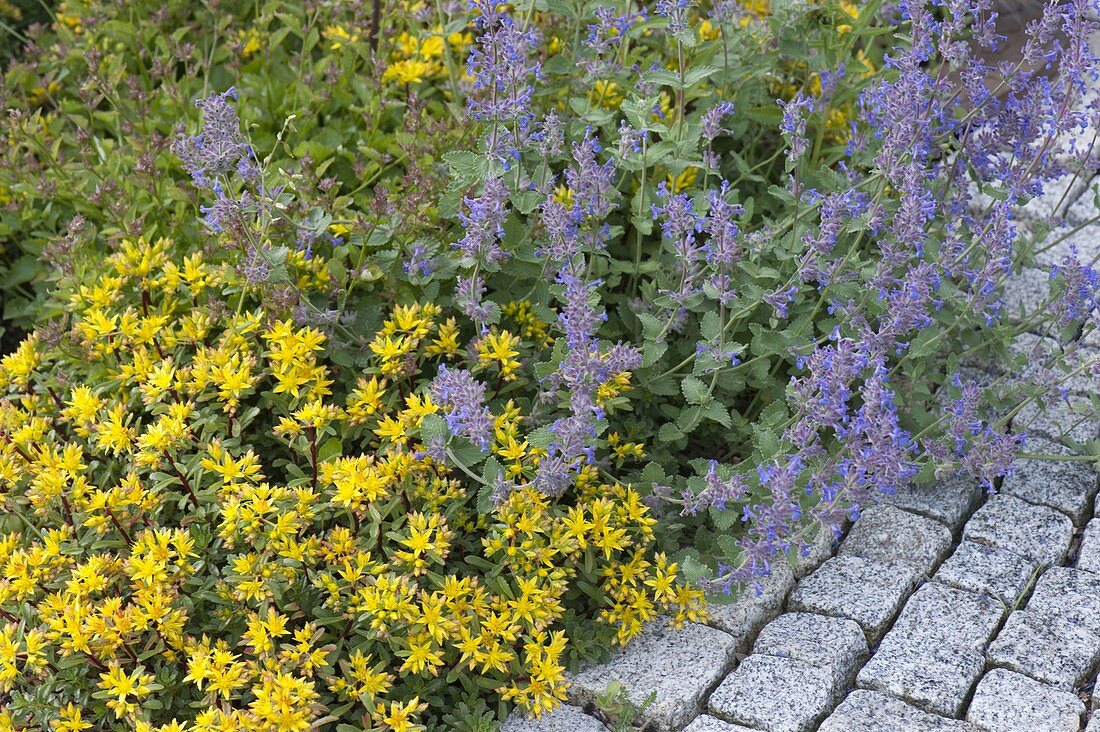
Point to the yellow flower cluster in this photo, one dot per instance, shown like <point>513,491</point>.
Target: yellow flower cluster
<point>415,59</point>
<point>212,528</point>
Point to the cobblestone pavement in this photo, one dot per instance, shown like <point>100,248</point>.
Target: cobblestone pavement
<point>943,608</point>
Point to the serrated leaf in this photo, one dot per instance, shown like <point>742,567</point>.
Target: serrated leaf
<point>694,390</point>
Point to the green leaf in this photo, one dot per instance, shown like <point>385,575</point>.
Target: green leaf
<point>465,166</point>
<point>694,390</point>
<point>331,448</point>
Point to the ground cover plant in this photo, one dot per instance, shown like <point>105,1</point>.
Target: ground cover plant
<point>386,362</point>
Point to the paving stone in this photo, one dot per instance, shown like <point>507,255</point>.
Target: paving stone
<point>1009,702</point>
<point>867,592</point>
<point>565,718</point>
<point>1070,594</point>
<point>679,665</point>
<point>987,570</point>
<point>1046,648</point>
<point>1094,724</point>
<point>1025,293</point>
<point>872,711</point>
<point>1029,354</point>
<point>938,615</point>
<point>1088,558</point>
<point>837,644</point>
<point>813,555</point>
<point>948,501</point>
<point>934,677</point>
<point>1059,243</point>
<point>744,617</point>
<point>1072,418</point>
<point>707,723</point>
<point>1084,208</point>
<point>886,534</point>
<point>777,694</point>
<point>1067,486</point>
<point>1037,532</point>
<point>1058,195</point>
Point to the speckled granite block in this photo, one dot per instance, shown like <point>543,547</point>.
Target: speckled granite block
<point>872,711</point>
<point>1070,594</point>
<point>937,615</point>
<point>1030,353</point>
<point>776,694</point>
<point>1010,702</point>
<point>1094,724</point>
<point>1058,243</point>
<point>885,533</point>
<point>1084,208</point>
<point>1067,486</point>
<point>679,665</point>
<point>1072,418</point>
<point>1025,293</point>
<point>1037,532</point>
<point>1048,649</point>
<point>948,501</point>
<point>987,570</point>
<point>744,617</point>
<point>933,677</point>
<point>813,555</point>
<point>707,723</point>
<point>837,644</point>
<point>1058,195</point>
<point>867,592</point>
<point>565,718</point>
<point>1088,558</point>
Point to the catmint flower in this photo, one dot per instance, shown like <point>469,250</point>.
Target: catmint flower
<point>462,398</point>
<point>501,66</point>
<point>676,11</point>
<point>712,120</point>
<point>1078,289</point>
<point>221,147</point>
<point>793,127</point>
<point>484,223</point>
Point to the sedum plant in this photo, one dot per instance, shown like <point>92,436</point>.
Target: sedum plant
<point>208,525</point>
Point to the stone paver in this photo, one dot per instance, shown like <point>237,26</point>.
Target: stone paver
<point>1026,293</point>
<point>1068,486</point>
<point>1031,354</point>
<point>949,501</point>
<point>679,665</point>
<point>837,644</point>
<point>887,534</point>
<point>565,718</point>
<point>1048,649</point>
<point>744,617</point>
<point>1058,195</point>
<point>1063,419</point>
<point>1009,702</point>
<point>1094,724</point>
<point>937,678</point>
<point>707,723</point>
<point>1037,532</point>
<point>932,657</point>
<point>818,549</point>
<point>776,694</point>
<point>1086,240</point>
<point>1070,594</point>
<point>937,615</point>
<point>867,592</point>
<point>987,570</point>
<point>872,711</point>
<point>1088,558</point>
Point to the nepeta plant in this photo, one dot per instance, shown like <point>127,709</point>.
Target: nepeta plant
<point>794,273</point>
